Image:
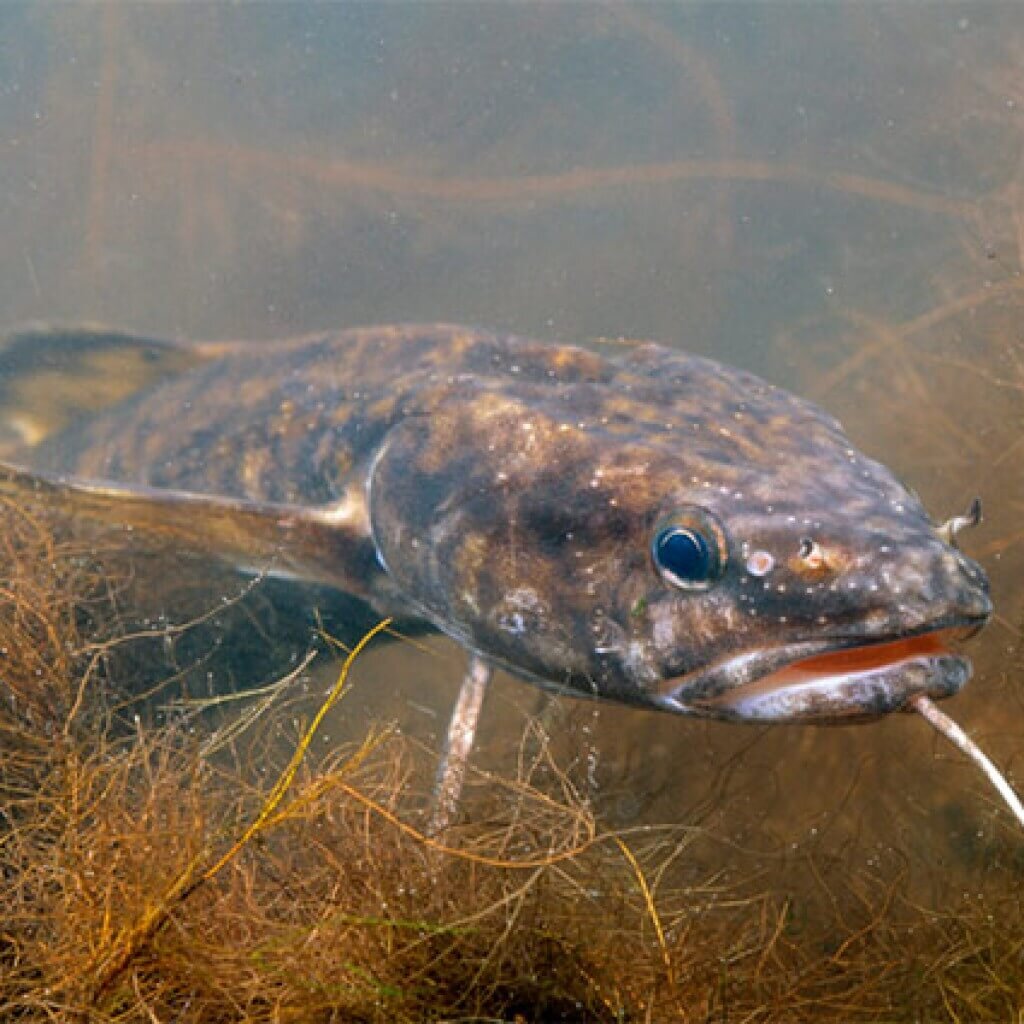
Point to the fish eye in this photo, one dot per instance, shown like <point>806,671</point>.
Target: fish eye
<point>688,550</point>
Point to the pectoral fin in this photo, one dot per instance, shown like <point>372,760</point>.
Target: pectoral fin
<point>53,377</point>
<point>326,544</point>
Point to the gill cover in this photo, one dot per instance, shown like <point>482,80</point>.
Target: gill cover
<point>474,513</point>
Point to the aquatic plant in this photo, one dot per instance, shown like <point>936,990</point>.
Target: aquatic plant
<point>151,874</point>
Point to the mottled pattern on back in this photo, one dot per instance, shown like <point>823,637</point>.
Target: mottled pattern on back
<point>291,422</point>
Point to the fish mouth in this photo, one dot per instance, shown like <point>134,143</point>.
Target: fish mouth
<point>828,681</point>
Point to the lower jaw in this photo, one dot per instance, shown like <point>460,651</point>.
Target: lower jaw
<point>843,698</point>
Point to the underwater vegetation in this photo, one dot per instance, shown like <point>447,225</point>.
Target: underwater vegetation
<point>166,867</point>
<point>170,854</point>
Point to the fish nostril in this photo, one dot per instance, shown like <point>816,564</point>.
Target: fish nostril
<point>811,553</point>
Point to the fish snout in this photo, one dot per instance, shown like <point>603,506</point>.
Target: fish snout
<point>962,585</point>
<point>949,590</point>
<point>924,587</point>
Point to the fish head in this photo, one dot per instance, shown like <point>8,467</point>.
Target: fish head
<point>768,573</point>
<point>811,612</point>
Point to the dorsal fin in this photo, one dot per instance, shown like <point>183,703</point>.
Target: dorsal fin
<point>54,377</point>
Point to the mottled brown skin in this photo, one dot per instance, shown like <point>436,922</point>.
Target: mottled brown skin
<point>507,491</point>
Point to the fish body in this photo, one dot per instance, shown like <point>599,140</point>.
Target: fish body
<point>638,524</point>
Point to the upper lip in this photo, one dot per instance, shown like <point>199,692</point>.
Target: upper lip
<point>708,683</point>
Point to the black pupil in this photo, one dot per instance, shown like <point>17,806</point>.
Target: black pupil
<point>684,553</point>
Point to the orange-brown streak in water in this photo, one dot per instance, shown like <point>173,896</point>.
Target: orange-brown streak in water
<point>385,178</point>
<point>866,352</point>
<point>967,367</point>
<point>1017,205</point>
<point>963,304</point>
<point>894,341</point>
<point>102,142</point>
<point>1000,544</point>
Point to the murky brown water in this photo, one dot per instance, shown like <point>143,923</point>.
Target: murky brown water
<point>830,196</point>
